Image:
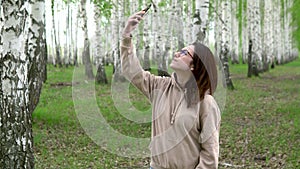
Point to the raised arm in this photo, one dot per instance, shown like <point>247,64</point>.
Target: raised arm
<point>130,65</point>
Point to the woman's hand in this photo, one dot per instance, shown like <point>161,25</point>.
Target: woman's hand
<point>132,23</point>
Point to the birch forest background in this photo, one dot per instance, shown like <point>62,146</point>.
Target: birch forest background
<point>43,42</point>
<point>260,33</point>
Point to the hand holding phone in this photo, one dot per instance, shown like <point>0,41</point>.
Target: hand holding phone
<point>134,20</point>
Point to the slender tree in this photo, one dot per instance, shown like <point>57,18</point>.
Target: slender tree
<point>37,51</point>
<point>244,31</point>
<point>267,48</point>
<point>117,26</point>
<point>180,26</point>
<point>99,57</point>
<point>55,40</point>
<point>146,32</point>
<point>224,46</point>
<point>187,36</point>
<point>234,33</point>
<point>254,33</point>
<point>68,34</point>
<point>158,41</point>
<point>200,23</point>
<point>278,31</point>
<point>75,47</point>
<point>140,35</point>
<point>86,49</point>
<point>21,70</point>
<point>163,37</point>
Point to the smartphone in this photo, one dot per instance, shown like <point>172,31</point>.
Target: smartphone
<point>146,9</point>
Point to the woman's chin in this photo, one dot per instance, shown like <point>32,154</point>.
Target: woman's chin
<point>172,65</point>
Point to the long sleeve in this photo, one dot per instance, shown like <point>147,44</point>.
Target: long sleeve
<point>130,64</point>
<point>210,119</point>
<point>132,71</point>
<point>209,154</point>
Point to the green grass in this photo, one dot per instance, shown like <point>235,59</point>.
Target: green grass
<point>260,123</point>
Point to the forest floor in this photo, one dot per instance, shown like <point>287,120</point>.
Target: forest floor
<point>260,123</point>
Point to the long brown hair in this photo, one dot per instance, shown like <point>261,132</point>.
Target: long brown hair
<point>205,73</point>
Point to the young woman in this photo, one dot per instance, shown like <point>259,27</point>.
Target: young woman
<point>185,117</point>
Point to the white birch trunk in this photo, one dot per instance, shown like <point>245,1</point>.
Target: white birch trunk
<point>245,40</point>
<point>157,53</point>
<point>257,36</point>
<point>75,49</point>
<point>180,28</point>
<point>37,50</point>
<point>115,40</point>
<point>167,20</point>
<point>158,46</point>
<point>224,47</point>
<point>146,41</point>
<point>288,32</point>
<point>234,34</point>
<point>70,34</point>
<point>200,23</point>
<point>278,31</point>
<point>17,81</point>
<point>188,23</point>
<point>56,39</point>
<point>285,34</point>
<point>100,75</point>
<point>140,34</point>
<point>66,33</point>
<point>295,52</point>
<point>267,44</point>
<point>86,48</point>
<point>253,35</point>
<point>217,25</point>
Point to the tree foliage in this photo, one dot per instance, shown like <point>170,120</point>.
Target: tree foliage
<point>296,21</point>
<point>105,7</point>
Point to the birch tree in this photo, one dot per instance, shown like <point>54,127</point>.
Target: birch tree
<point>179,29</point>
<point>187,22</point>
<point>253,37</point>
<point>244,41</point>
<point>139,31</point>
<point>146,41</point>
<point>37,51</point>
<point>158,40</point>
<point>234,33</point>
<point>200,23</point>
<point>86,48</point>
<point>116,25</point>
<point>100,11</point>
<point>164,34</point>
<point>288,31</point>
<point>217,19</point>
<point>67,33</point>
<point>168,32</point>
<point>278,30</point>
<point>267,44</point>
<point>75,48</point>
<point>224,46</point>
<point>21,57</point>
<point>57,58</point>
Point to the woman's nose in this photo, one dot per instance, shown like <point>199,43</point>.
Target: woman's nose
<point>176,54</point>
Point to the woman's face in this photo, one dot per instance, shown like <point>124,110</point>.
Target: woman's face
<point>183,59</point>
